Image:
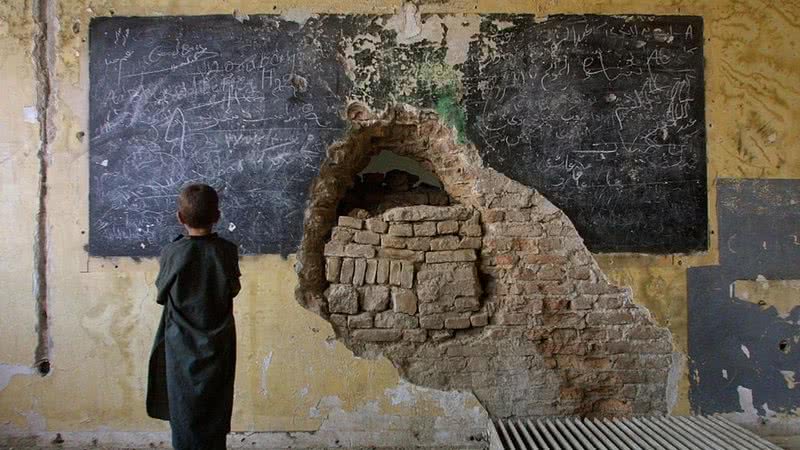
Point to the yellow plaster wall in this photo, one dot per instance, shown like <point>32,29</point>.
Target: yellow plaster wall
<point>102,314</point>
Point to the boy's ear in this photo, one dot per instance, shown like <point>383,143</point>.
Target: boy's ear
<point>180,218</point>
<point>217,216</point>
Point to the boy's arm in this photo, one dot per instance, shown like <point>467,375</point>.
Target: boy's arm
<point>164,279</point>
<point>236,285</point>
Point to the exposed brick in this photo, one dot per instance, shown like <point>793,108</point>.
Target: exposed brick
<point>505,260</point>
<point>580,273</point>
<point>467,304</point>
<point>342,298</point>
<point>425,229</point>
<point>517,215</point>
<point>450,256</point>
<point>346,274</point>
<point>401,255</point>
<point>470,242</point>
<point>432,308</point>
<point>374,298</point>
<point>350,222</point>
<point>363,320</point>
<point>468,229</point>
<point>404,300</point>
<point>509,200</point>
<point>377,225</point>
<point>423,212</point>
<point>583,302</point>
<point>608,318</point>
<point>334,249</point>
<point>341,235</point>
<point>391,319</point>
<point>509,319</point>
<point>493,215</point>
<point>359,251</point>
<point>359,270</point>
<point>377,335</point>
<point>393,241</point>
<point>609,302</point>
<point>433,322</point>
<point>415,335</point>
<point>418,243</point>
<point>395,269</point>
<point>407,275</point>
<point>444,243</point>
<point>447,227</point>
<point>371,272</point>
<point>528,229</point>
<point>479,320</point>
<point>401,229</point>
<point>332,267</point>
<point>338,320</point>
<point>457,323</point>
<point>367,237</point>
<point>382,274</point>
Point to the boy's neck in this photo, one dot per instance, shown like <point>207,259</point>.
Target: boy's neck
<point>198,231</point>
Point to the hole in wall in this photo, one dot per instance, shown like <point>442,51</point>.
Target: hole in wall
<point>391,181</point>
<point>515,297</point>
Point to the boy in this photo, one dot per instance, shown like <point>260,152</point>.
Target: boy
<point>194,354</point>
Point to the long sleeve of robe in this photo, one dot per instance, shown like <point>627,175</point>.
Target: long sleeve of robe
<point>192,364</point>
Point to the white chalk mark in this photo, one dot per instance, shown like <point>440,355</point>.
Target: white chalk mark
<point>746,351</point>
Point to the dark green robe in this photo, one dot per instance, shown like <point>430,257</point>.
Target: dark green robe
<point>194,354</point>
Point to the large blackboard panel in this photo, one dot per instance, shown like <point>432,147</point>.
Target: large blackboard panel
<point>246,107</point>
<point>604,116</point>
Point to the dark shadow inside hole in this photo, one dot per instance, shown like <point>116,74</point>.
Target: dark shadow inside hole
<point>390,181</point>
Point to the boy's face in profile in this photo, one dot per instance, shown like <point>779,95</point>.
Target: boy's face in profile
<point>198,209</point>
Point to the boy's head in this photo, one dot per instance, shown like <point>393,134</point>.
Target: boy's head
<point>198,206</point>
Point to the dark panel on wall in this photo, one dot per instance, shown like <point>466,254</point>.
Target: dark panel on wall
<point>246,107</point>
<point>604,116</point>
<point>737,345</point>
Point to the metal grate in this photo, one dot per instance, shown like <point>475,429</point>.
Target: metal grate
<point>651,433</point>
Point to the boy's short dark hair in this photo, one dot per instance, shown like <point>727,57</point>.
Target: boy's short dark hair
<point>198,205</point>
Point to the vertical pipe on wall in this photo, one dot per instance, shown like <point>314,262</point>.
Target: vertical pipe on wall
<point>42,57</point>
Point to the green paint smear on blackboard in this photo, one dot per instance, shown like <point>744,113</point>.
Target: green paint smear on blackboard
<point>451,112</point>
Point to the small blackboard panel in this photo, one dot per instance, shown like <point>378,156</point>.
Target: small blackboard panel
<point>246,107</point>
<point>604,116</point>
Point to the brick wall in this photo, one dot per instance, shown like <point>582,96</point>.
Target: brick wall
<point>509,302</point>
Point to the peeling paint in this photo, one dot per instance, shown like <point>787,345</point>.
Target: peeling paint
<point>746,400</point>
<point>788,375</point>
<point>782,295</point>
<point>298,15</point>
<point>401,394</point>
<point>30,114</point>
<point>8,371</point>
<point>406,23</point>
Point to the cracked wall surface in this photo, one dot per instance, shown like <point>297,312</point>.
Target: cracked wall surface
<point>551,335</point>
<point>102,320</point>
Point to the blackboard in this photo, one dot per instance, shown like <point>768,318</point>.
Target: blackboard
<point>248,108</point>
<point>603,115</point>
